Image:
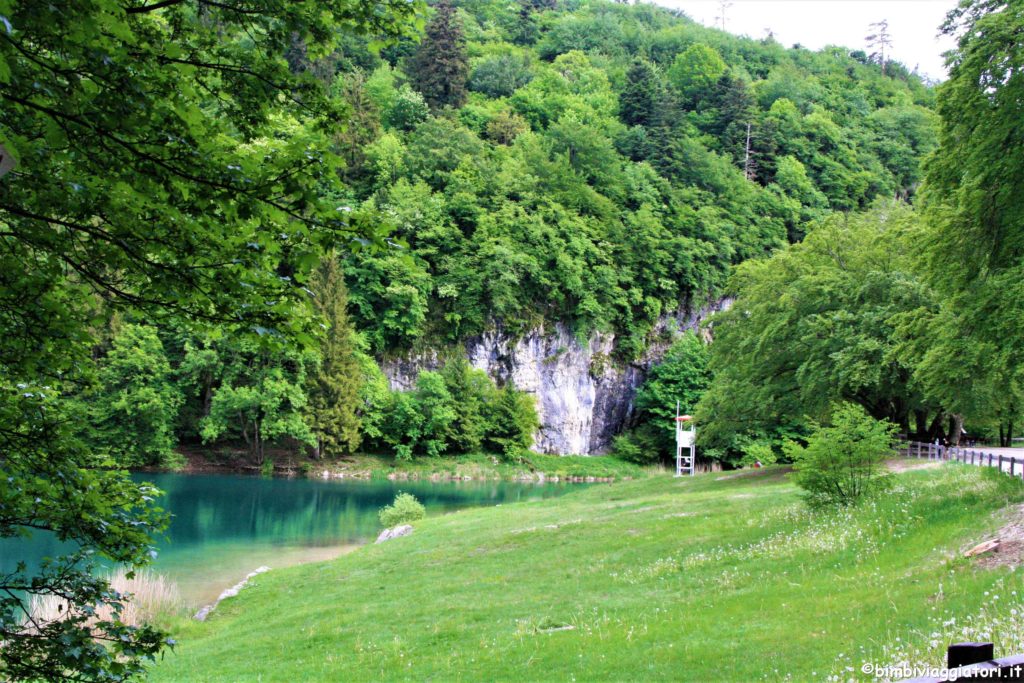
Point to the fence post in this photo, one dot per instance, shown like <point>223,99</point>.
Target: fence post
<point>990,460</point>
<point>1000,462</point>
<point>1013,462</point>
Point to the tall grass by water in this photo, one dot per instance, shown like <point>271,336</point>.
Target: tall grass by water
<point>148,597</point>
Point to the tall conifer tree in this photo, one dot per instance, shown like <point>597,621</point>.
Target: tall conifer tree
<point>334,387</point>
<point>440,68</point>
<point>640,97</point>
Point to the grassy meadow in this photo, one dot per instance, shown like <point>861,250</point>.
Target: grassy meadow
<point>714,577</point>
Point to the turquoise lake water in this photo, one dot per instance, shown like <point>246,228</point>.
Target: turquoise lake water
<point>224,525</point>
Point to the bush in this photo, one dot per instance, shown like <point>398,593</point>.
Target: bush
<point>642,446</point>
<point>455,410</point>
<point>842,463</point>
<point>405,509</point>
<point>758,452</point>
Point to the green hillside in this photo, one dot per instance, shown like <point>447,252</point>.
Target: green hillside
<point>590,162</point>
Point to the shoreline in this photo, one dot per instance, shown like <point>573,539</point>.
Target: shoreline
<point>537,468</point>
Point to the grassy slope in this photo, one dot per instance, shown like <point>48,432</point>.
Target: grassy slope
<point>697,579</point>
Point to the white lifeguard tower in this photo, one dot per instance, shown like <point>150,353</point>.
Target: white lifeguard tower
<point>685,444</point>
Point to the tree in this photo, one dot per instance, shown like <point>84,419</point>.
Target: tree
<point>679,380</point>
<point>362,125</point>
<point>471,391</point>
<point>975,244</point>
<point>261,398</point>
<point>440,68</point>
<point>500,76</point>
<point>408,110</point>
<point>879,40</point>
<point>505,127</point>
<point>640,97</point>
<point>335,382</point>
<point>172,164</point>
<point>822,321</point>
<point>695,71</point>
<point>512,422</point>
<point>133,411</point>
<point>842,462</point>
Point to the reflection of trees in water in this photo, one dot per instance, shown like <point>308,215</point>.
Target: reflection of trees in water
<point>228,509</point>
<point>211,507</point>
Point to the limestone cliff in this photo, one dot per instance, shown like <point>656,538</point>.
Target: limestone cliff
<point>583,396</point>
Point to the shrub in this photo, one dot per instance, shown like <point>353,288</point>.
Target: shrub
<point>758,452</point>
<point>842,463</point>
<point>512,422</point>
<point>405,509</point>
<point>641,445</point>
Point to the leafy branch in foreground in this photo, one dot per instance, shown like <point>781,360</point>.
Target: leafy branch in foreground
<point>171,164</point>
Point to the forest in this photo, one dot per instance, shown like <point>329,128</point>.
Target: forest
<point>599,165</point>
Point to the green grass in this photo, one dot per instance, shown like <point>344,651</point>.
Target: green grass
<point>706,578</point>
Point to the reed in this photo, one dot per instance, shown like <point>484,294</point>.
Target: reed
<point>148,595</point>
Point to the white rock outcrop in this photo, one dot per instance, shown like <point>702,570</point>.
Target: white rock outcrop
<point>396,532</point>
<point>584,397</point>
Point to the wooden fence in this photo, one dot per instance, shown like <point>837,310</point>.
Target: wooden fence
<point>970,456</point>
<point>971,660</point>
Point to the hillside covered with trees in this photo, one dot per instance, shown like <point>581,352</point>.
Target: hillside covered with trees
<point>595,164</point>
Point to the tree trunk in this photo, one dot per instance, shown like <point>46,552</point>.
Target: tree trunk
<point>956,429</point>
<point>1009,434</point>
<point>935,429</point>
<point>1002,436</point>
<point>258,440</point>
<point>245,431</point>
<point>921,420</point>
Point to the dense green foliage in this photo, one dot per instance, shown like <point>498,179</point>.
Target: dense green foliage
<point>679,380</point>
<point>842,462</point>
<point>403,510</point>
<point>975,218</point>
<point>598,172</point>
<point>171,166</point>
<point>822,321</point>
<point>457,410</point>
<point>597,164</point>
<point>132,413</point>
<point>910,313</point>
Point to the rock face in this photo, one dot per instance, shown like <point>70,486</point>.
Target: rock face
<point>583,396</point>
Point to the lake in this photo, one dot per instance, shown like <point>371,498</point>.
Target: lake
<point>225,525</point>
